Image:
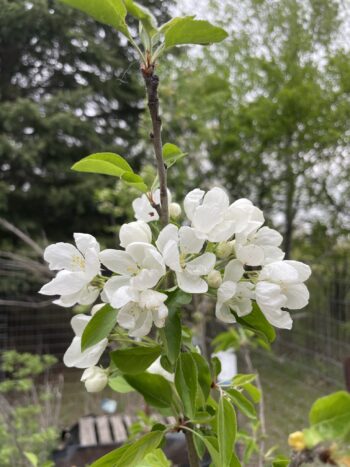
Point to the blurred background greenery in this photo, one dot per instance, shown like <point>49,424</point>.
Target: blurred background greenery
<point>264,114</point>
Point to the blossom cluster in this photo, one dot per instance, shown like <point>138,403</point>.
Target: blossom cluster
<point>221,249</point>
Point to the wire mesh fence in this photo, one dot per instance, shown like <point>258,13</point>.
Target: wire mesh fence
<point>304,363</point>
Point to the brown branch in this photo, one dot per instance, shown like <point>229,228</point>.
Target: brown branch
<point>152,82</point>
<point>20,234</point>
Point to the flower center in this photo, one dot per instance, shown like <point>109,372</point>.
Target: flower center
<point>78,262</point>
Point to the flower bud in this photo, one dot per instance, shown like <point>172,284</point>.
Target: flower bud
<point>224,249</point>
<point>214,279</point>
<point>175,210</point>
<point>95,379</point>
<point>296,441</point>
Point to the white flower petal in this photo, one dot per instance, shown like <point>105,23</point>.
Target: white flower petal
<point>90,357</point>
<point>146,279</point>
<point>269,296</point>
<point>157,369</point>
<point>126,316</point>
<point>272,254</point>
<point>67,301</point>
<point>60,256</point>
<point>123,296</point>
<point>233,271</point>
<point>171,256</point>
<point>192,201</point>
<point>223,313</point>
<point>92,263</point>
<point>222,232</point>
<point>151,299</point>
<point>113,284</point>
<point>206,218</point>
<point>216,197</point>
<point>88,295</point>
<point>280,272</point>
<point>297,296</point>
<point>252,255</point>
<point>65,283</point>
<point>118,261</point>
<point>143,210</point>
<point>278,318</point>
<point>202,265</point>
<point>85,241</point>
<point>303,270</point>
<point>191,284</point>
<point>242,306</point>
<point>190,241</point>
<point>156,196</point>
<point>160,315</point>
<point>268,237</point>
<point>143,324</point>
<point>138,231</point>
<point>79,323</point>
<point>169,232</point>
<point>226,291</point>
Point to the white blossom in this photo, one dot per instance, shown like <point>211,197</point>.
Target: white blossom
<point>233,295</point>
<point>281,286</point>
<point>74,356</point>
<point>259,247</point>
<point>212,215</point>
<point>95,379</point>
<point>77,267</point>
<point>138,231</point>
<point>144,207</point>
<point>141,266</point>
<point>178,246</point>
<point>139,309</point>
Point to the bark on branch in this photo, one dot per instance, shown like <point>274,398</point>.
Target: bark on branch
<point>152,83</point>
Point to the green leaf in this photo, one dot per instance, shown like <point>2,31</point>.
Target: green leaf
<point>329,419</point>
<point>135,181</point>
<point>211,443</point>
<point>111,12</point>
<point>204,376</point>
<point>172,335</point>
<point>257,323</point>
<point>328,407</point>
<point>280,461</point>
<point>99,327</point>
<point>186,377</point>
<point>172,154</point>
<point>242,379</point>
<point>135,360</point>
<point>155,458</point>
<point>106,163</point>
<point>253,392</point>
<point>143,14</point>
<point>226,430</point>
<point>32,458</point>
<point>118,384</point>
<point>131,454</point>
<point>187,30</point>
<point>216,366</point>
<point>240,401</point>
<point>155,389</point>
